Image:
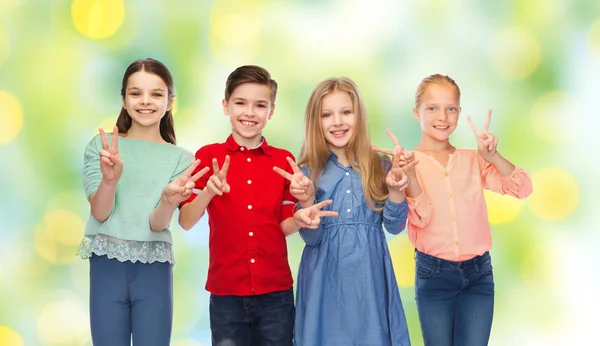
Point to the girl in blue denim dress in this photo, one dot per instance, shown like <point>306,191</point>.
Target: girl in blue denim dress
<point>347,292</point>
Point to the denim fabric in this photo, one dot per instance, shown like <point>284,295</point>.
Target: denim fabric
<point>455,300</point>
<point>261,320</point>
<point>130,302</point>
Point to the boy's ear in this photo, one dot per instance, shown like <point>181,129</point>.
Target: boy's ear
<point>416,114</point>
<point>225,107</point>
<point>271,112</point>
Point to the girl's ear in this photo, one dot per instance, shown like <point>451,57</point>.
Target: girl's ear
<point>416,114</point>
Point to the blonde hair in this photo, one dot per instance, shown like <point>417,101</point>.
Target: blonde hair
<point>315,153</point>
<point>434,79</point>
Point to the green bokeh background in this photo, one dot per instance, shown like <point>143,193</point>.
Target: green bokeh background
<point>535,63</point>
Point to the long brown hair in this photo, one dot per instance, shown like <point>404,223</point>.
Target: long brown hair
<point>167,126</point>
<point>315,153</point>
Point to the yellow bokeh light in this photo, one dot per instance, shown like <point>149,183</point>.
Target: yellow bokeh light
<point>549,116</point>
<point>593,38</point>
<point>107,124</point>
<point>403,260</point>
<point>235,30</point>
<point>186,342</point>
<point>11,117</point>
<point>64,322</point>
<point>57,237</point>
<point>555,194</point>
<point>185,319</point>
<point>536,269</point>
<point>97,19</point>
<point>502,208</point>
<point>9,337</point>
<point>4,45</point>
<point>515,53</point>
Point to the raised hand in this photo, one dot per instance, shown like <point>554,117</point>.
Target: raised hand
<point>401,158</point>
<point>217,184</point>
<point>311,217</point>
<point>111,164</point>
<point>300,186</point>
<point>486,142</point>
<point>397,177</point>
<point>180,189</point>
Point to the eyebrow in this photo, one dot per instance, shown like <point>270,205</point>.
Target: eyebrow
<point>349,108</point>
<point>243,99</point>
<point>155,89</point>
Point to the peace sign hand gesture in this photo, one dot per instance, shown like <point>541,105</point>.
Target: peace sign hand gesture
<point>311,217</point>
<point>217,184</point>
<point>486,142</point>
<point>180,189</point>
<point>401,158</point>
<point>111,164</point>
<point>300,187</point>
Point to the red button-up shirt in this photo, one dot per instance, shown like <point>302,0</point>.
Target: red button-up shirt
<point>248,250</point>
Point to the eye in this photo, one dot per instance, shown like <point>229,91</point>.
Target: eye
<point>261,105</point>
<point>239,103</point>
<point>432,109</point>
<point>157,95</point>
<point>452,109</point>
<point>134,93</point>
<point>325,115</point>
<point>346,112</point>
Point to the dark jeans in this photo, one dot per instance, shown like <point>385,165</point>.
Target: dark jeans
<point>261,320</point>
<point>130,302</point>
<point>455,300</point>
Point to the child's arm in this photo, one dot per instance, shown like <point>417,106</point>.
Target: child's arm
<point>102,201</point>
<point>173,194</point>
<point>192,212</point>
<point>419,207</point>
<point>497,173</point>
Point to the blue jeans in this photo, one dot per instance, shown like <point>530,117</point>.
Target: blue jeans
<point>455,300</point>
<point>261,320</point>
<point>130,302</point>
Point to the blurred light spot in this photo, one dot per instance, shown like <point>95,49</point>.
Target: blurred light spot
<point>186,319</point>
<point>4,45</point>
<point>502,208</point>
<point>235,30</point>
<point>107,124</point>
<point>11,117</point>
<point>515,53</point>
<point>64,322</point>
<point>57,237</point>
<point>9,337</point>
<point>97,19</point>
<point>536,269</point>
<point>403,260</point>
<point>550,114</point>
<point>186,342</point>
<point>593,38</point>
<point>555,194</point>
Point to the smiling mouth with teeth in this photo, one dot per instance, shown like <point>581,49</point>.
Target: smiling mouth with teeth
<point>248,123</point>
<point>145,111</point>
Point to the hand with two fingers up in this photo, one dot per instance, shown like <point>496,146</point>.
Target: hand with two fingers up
<point>487,143</point>
<point>403,168</point>
<point>301,187</point>
<point>180,189</point>
<point>111,164</point>
<point>310,217</point>
<point>217,184</point>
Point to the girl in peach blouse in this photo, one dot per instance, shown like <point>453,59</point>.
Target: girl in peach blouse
<point>448,221</point>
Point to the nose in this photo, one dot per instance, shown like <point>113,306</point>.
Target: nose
<point>145,99</point>
<point>337,119</point>
<point>250,111</point>
<point>443,115</point>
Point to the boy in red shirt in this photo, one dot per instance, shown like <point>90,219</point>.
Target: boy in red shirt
<point>250,212</point>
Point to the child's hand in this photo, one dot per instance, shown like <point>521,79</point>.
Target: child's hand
<point>217,184</point>
<point>180,189</point>
<point>400,157</point>
<point>397,177</point>
<point>486,142</point>
<point>301,187</point>
<point>311,217</point>
<point>111,164</point>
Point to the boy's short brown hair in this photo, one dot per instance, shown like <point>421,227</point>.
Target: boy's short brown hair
<point>250,74</point>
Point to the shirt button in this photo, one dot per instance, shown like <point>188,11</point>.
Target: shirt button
<point>249,181</point>
<point>347,191</point>
<point>452,218</point>
<point>455,243</point>
<point>347,173</point>
<point>348,210</point>
<point>249,159</point>
<point>252,260</point>
<point>249,207</point>
<point>451,195</point>
<point>251,234</point>
<point>242,148</point>
<point>445,174</point>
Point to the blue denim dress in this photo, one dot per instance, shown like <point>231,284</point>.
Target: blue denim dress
<point>346,291</point>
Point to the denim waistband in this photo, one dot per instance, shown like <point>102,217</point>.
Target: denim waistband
<point>426,259</point>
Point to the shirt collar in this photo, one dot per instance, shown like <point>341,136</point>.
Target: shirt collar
<point>232,145</point>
